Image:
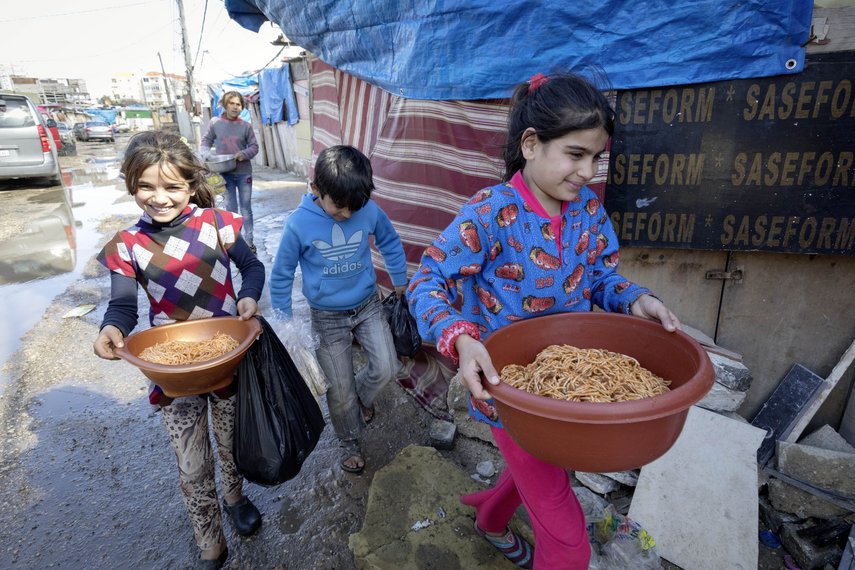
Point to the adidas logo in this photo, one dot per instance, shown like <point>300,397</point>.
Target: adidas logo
<point>340,248</point>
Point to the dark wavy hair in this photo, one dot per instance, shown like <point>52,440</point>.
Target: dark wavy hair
<point>161,148</point>
<point>559,104</point>
<point>344,174</point>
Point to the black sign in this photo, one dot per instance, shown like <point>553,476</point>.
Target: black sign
<point>760,164</point>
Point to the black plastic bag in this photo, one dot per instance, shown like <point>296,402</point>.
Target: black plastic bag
<point>405,331</point>
<point>278,421</point>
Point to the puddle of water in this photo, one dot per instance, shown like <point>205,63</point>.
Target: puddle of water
<point>66,400</point>
<point>25,303</point>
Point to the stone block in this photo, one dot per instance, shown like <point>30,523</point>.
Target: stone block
<point>458,405</point>
<point>774,518</point>
<point>731,373</point>
<point>789,499</point>
<point>597,483</point>
<point>808,555</point>
<point>827,438</point>
<point>823,468</point>
<point>722,399</point>
<point>457,396</point>
<point>442,434</point>
<point>468,427</point>
<point>628,478</point>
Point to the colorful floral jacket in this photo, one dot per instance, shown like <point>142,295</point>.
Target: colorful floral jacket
<point>512,261</point>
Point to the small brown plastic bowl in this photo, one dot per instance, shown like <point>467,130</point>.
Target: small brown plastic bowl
<point>599,437</point>
<point>201,377</point>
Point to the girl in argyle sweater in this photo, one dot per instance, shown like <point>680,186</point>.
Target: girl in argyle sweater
<point>180,252</point>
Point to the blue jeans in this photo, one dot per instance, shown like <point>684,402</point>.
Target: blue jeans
<point>347,391</point>
<point>240,186</point>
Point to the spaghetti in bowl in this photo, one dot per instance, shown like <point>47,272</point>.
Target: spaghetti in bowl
<point>598,436</point>
<point>197,377</point>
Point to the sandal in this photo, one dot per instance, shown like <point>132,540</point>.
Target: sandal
<point>512,546</point>
<point>367,414</point>
<point>352,453</point>
<point>350,468</point>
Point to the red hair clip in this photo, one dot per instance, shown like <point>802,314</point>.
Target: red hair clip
<point>536,81</point>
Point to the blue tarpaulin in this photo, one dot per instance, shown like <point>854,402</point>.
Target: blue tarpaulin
<point>274,90</point>
<point>479,49</point>
<point>244,84</point>
<point>107,115</point>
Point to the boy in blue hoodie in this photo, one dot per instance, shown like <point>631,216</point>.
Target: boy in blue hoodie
<point>328,236</point>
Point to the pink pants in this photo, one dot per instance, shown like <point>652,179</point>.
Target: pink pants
<point>561,540</point>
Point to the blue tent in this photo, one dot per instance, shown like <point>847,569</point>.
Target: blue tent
<point>479,49</point>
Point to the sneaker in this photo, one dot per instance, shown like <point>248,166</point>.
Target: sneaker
<point>512,546</point>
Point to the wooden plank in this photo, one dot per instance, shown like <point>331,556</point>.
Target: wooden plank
<point>780,411</point>
<point>709,344</point>
<point>806,414</point>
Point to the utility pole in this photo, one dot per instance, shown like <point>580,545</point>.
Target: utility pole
<point>186,48</point>
<point>165,80</point>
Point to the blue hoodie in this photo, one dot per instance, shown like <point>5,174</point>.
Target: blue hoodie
<point>334,256</point>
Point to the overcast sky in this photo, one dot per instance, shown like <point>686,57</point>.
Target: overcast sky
<point>95,39</point>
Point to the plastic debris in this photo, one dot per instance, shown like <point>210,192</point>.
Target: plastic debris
<point>770,539</point>
<point>78,311</point>
<point>419,525</point>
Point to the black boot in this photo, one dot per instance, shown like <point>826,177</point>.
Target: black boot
<point>216,563</point>
<point>245,517</point>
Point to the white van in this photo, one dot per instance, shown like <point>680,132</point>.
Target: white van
<point>27,149</point>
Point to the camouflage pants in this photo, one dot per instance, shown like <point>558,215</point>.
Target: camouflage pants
<point>186,421</point>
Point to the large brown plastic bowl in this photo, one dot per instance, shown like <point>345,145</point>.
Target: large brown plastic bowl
<point>201,377</point>
<point>599,437</point>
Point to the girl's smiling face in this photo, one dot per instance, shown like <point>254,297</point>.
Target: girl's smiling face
<point>556,170</point>
<point>162,193</point>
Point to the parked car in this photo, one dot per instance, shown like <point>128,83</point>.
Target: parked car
<point>27,149</point>
<point>54,132</point>
<point>97,130</point>
<point>122,128</point>
<point>77,130</point>
<point>69,145</point>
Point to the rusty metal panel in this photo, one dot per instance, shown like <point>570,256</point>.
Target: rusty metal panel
<point>743,165</point>
<point>790,309</point>
<point>678,278</point>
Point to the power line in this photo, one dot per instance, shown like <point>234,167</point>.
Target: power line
<point>99,53</point>
<point>201,33</point>
<point>64,14</point>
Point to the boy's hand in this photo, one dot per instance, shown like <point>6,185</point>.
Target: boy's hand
<point>110,337</point>
<point>246,308</point>
<point>650,307</point>
<point>474,358</point>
